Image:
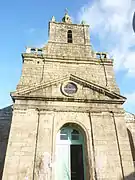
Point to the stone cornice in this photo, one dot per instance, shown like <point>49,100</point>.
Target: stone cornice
<point>67,44</point>
<point>72,24</point>
<point>66,59</point>
<point>95,111</point>
<point>25,93</point>
<point>41,98</point>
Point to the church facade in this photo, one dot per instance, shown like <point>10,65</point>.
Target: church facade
<point>68,122</point>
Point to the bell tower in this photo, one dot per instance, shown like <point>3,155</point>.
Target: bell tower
<point>68,39</point>
<point>67,108</point>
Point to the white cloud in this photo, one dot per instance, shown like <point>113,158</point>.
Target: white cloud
<point>111,21</point>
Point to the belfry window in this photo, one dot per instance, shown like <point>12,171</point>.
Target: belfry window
<point>69,36</point>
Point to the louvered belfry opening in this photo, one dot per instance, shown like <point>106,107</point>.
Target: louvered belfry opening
<point>69,36</point>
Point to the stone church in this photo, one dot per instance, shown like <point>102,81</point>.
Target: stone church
<point>68,122</point>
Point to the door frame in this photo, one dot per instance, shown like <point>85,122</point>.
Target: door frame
<point>69,142</point>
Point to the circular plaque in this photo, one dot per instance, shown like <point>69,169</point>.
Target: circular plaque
<point>69,88</point>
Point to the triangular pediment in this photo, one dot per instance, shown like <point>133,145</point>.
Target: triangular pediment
<point>86,91</point>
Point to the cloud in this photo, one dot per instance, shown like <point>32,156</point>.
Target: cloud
<point>111,22</point>
<point>111,26</point>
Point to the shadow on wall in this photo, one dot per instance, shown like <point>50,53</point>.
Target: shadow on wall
<point>131,144</point>
<point>130,177</point>
<point>5,124</point>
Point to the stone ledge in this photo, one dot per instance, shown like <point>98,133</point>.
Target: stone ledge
<point>40,98</point>
<point>64,59</point>
<point>62,23</point>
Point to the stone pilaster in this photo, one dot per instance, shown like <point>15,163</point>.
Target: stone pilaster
<point>20,155</point>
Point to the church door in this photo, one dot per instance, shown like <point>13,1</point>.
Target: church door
<point>69,155</point>
<point>76,161</point>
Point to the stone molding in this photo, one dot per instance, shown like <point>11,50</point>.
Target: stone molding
<point>66,59</point>
<point>62,23</point>
<point>25,93</point>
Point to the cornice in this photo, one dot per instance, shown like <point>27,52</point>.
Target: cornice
<point>41,98</point>
<point>71,24</point>
<point>66,59</point>
<point>25,93</point>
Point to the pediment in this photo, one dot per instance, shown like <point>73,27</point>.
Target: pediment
<point>86,91</point>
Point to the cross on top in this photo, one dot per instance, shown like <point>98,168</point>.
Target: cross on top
<point>66,11</point>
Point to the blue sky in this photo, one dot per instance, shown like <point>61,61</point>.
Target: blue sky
<point>25,23</point>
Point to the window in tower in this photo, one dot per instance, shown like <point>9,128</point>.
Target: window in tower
<point>69,36</point>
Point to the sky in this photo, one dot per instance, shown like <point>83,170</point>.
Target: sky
<point>25,23</point>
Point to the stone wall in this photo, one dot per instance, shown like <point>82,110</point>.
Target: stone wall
<point>104,137</point>
<point>37,69</point>
<point>58,33</point>
<point>33,135</point>
<point>59,58</point>
<point>21,147</point>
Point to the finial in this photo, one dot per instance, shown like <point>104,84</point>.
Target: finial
<point>53,19</point>
<point>66,11</point>
<point>83,22</point>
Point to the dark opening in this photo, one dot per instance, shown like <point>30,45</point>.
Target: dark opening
<point>131,144</point>
<point>39,51</point>
<point>77,170</point>
<point>33,50</point>
<point>69,36</point>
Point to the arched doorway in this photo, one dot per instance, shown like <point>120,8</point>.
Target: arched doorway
<point>70,161</point>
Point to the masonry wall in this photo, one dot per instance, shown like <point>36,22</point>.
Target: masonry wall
<point>105,138</point>
<point>60,58</point>
<point>33,133</point>
<point>37,69</point>
<point>126,156</point>
<point>20,155</point>
<point>110,157</point>
<point>58,33</point>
